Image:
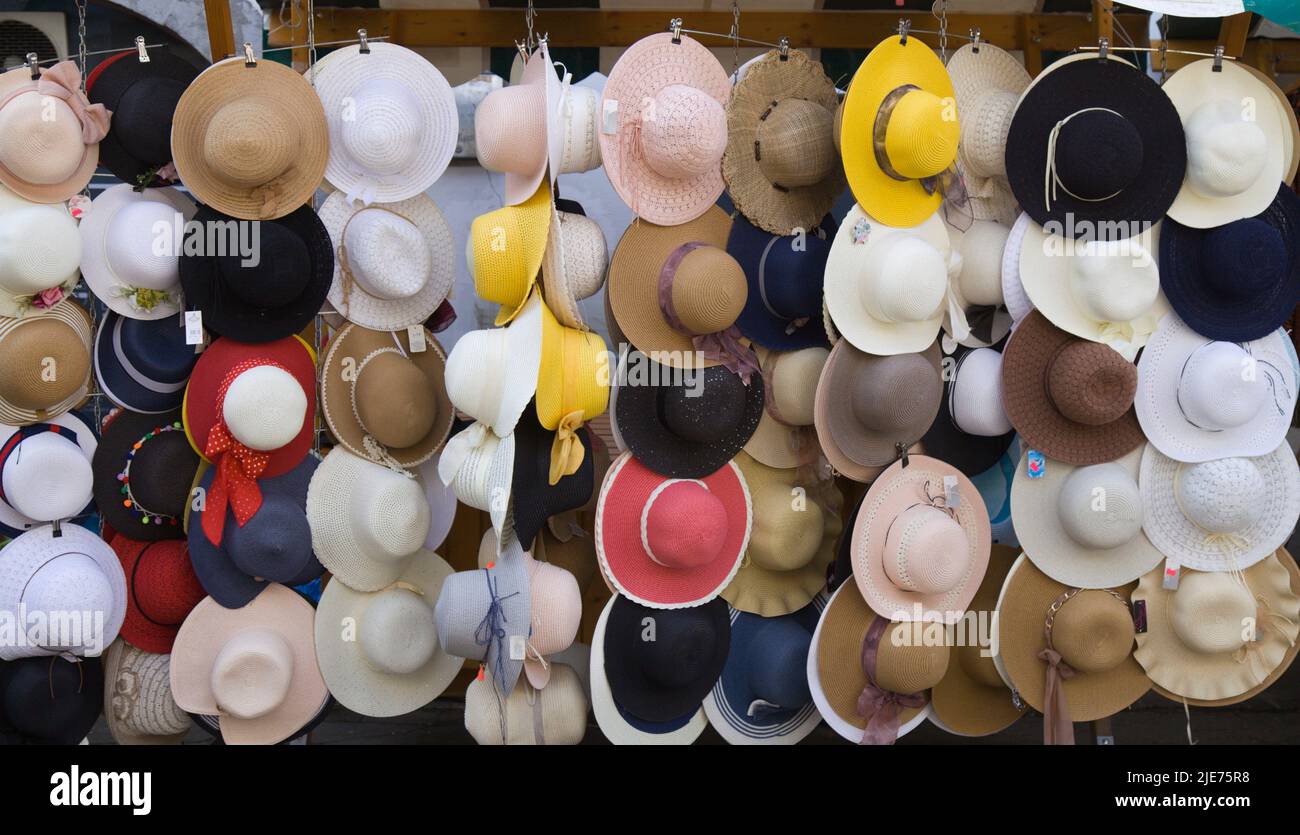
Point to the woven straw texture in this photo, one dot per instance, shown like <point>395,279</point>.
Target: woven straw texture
<point>47,149</point>
<point>40,250</point>
<point>507,246</point>
<point>574,374</point>
<point>138,703</point>
<point>28,348</point>
<point>556,715</point>
<point>987,84</point>
<point>72,428</point>
<point>574,265</point>
<point>511,127</point>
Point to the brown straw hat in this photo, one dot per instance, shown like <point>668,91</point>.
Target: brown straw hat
<point>972,699</point>
<point>250,140</point>
<point>1069,398</point>
<point>44,364</point>
<point>383,401</point>
<point>781,167</point>
<point>1091,629</point>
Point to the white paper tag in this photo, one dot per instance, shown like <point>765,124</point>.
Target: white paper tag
<point>609,117</point>
<point>194,327</point>
<point>1173,570</point>
<point>415,335</point>
<point>518,647</point>
<point>951,495</point>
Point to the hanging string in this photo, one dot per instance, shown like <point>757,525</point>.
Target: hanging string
<point>735,36</point>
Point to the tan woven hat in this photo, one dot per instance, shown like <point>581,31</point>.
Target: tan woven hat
<point>554,716</point>
<point>250,140</point>
<point>1090,631</point>
<point>791,545</point>
<point>382,400</point>
<point>573,266</point>
<point>781,168</point>
<point>138,703</point>
<point>44,364</point>
<point>785,436</point>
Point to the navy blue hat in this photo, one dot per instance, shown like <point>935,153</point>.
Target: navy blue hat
<point>783,310</point>
<point>50,701</point>
<point>274,545</point>
<point>1236,282</point>
<point>143,364</point>
<point>762,696</point>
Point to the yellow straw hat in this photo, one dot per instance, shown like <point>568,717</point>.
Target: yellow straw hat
<point>900,112</point>
<point>505,251</point>
<point>572,388</point>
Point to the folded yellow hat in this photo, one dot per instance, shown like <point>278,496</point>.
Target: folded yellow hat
<point>505,251</point>
<point>572,388</point>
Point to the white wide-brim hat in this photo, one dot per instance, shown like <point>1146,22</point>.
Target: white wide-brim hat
<point>390,287</point>
<point>391,662</point>
<point>40,250</point>
<point>1235,158</point>
<point>492,374</point>
<point>1221,515</point>
<point>1103,291</point>
<point>1013,289</point>
<point>123,252</point>
<point>1198,399</point>
<point>392,121</point>
<point>478,466</point>
<point>902,273</point>
<point>48,483</point>
<point>1082,526</point>
<point>976,286</point>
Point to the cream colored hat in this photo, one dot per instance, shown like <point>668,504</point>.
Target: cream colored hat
<point>987,82</point>
<point>138,703</point>
<point>478,465</point>
<point>1013,289</point>
<point>572,143</point>
<point>554,716</point>
<point>40,254</point>
<point>785,437</point>
<point>49,132</point>
<point>574,265</point>
<point>977,287</point>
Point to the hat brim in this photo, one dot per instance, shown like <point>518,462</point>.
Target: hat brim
<point>12,522</point>
<point>442,504</point>
<point>122,735</point>
<point>839,460</point>
<point>532,497</point>
<point>137,628</point>
<point>750,246</point>
<point>109,82</point>
<point>15,82</point>
<point>972,454</point>
<point>49,686</point>
<point>77,319</point>
<point>975,71</point>
<point>121,431</point>
<point>1013,289</point>
<point>127,386</point>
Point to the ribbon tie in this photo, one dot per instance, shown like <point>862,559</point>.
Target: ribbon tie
<point>269,194</point>
<point>881,708</point>
<point>63,81</point>
<point>567,450</point>
<point>491,631</point>
<point>1051,182</point>
<point>1125,337</point>
<point>459,448</point>
<point>724,346</point>
<point>1057,727</point>
<point>238,466</point>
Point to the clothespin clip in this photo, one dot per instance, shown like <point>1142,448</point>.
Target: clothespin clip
<point>904,25</point>
<point>140,51</point>
<point>675,26</point>
<point>365,42</point>
<point>34,66</point>
<point>975,40</point>
<point>523,50</point>
<point>783,48</point>
<point>250,60</point>
<point>57,529</point>
<point>1103,48</point>
<point>1218,59</point>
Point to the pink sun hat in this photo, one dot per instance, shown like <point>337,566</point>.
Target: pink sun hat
<point>671,543</point>
<point>512,127</point>
<point>663,128</point>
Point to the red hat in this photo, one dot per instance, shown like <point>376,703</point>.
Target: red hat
<point>161,590</point>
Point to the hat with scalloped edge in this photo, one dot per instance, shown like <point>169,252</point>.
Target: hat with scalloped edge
<point>50,701</point>
<point>40,254</point>
<point>138,704</point>
<point>785,275</point>
<point>47,363</point>
<point>574,264</point>
<point>972,430</point>
<point>515,125</point>
<point>143,364</point>
<point>162,588</point>
<point>45,472</point>
<point>505,251</point>
<point>785,436</point>
<point>143,470</point>
<point>555,715</point>
<point>51,132</point>
<point>485,615</point>
<point>572,388</point>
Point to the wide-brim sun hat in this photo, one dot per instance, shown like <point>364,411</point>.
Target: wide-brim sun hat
<point>1068,397</point>
<point>143,469</point>
<point>254,667</point>
<point>1095,149</point>
<point>976,287</point>
<point>442,504</point>
<point>250,140</point>
<point>40,255</point>
<point>394,665</point>
<point>505,251</point>
<point>478,467</point>
<point>1199,399</point>
<point>971,430</point>
<point>1082,526</point>
<point>887,288</point>
<point>839,461</point>
<point>514,126</point>
<point>1013,289</point>
<point>485,615</point>
<point>143,364</point>
<point>574,264</point>
<point>783,306</point>
<point>394,262</point>
<point>391,118</point>
<point>781,167</point>
<point>902,93</point>
<point>1220,515</point>
<point>1290,123</point>
<point>138,704</point>
<point>492,374</point>
<point>162,590</point>
<point>51,132</point>
<point>49,478</point>
<point>1219,639</point>
<point>50,701</point>
<point>671,543</point>
<point>664,128</point>
<point>786,436</point>
<point>920,542</point>
<point>29,347</point>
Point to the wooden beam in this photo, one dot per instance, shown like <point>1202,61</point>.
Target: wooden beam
<point>221,29</point>
<point>1274,57</point>
<point>1233,32</point>
<point>298,35</point>
<point>1103,20</point>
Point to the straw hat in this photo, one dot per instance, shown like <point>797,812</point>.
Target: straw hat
<point>1219,639</point>
<point>138,704</point>
<point>785,437</point>
<point>394,262</point>
<point>1235,158</point>
<point>571,137</point>
<point>254,667</point>
<point>45,472</point>
<point>382,400</point>
<point>1290,124</point>
<point>972,430</point>
<point>972,699</point>
<point>44,575</point>
<point>492,374</point>
<point>785,276</point>
<point>1105,291</point>
<point>50,131</point>
<point>161,590</point>
<point>50,701</point>
<point>533,498</point>
<point>495,601</point>
<point>367,522</point>
<point>664,128</point>
<point>671,543</point>
<point>887,288</point>
<point>895,695</point>
<point>142,96</point>
<point>528,716</point>
<point>378,651</point>
<point>987,82</point>
<point>505,251</point>
<point>976,288</point>
<point>1199,399</point>
<point>902,92</point>
<point>1082,526</point>
<point>120,260</point>
<point>780,165</point>
<point>478,466</point>
<point>620,726</point>
<point>1090,631</point>
<point>46,362</point>
<point>839,461</point>
<point>574,263</point>
<point>149,458</point>
<point>513,126</point>
<point>556,616</point>
<point>40,253</point>
<point>1220,515</point>
<point>250,140</point>
<point>1013,289</point>
<point>143,364</point>
<point>572,387</point>
<point>391,118</point>
<point>1069,398</point>
<point>920,542</point>
<point>880,405</point>
<point>791,546</point>
<point>1095,148</point>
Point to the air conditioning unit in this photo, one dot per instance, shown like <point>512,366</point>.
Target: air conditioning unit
<point>45,33</point>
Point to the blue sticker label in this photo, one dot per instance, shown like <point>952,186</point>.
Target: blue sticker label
<point>1037,464</point>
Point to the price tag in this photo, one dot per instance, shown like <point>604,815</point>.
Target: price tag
<point>609,117</point>
<point>415,335</point>
<point>194,327</point>
<point>951,495</point>
<point>1173,570</point>
<point>518,647</point>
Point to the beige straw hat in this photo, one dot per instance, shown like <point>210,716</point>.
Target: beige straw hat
<point>786,437</point>
<point>250,141</point>
<point>554,716</point>
<point>574,265</point>
<point>1219,638</point>
<point>49,132</point>
<point>138,704</point>
<point>46,362</point>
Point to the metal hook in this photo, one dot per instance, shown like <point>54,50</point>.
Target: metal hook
<point>140,51</point>
<point>34,66</point>
<point>975,40</point>
<point>1218,59</point>
<point>1103,48</point>
<point>58,529</point>
<point>365,41</point>
<point>675,26</point>
<point>904,25</point>
<point>783,48</point>
<point>250,60</point>
<point>522,47</point>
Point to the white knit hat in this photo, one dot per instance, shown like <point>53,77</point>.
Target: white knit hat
<point>492,374</point>
<point>40,250</point>
<point>1013,290</point>
<point>573,145</point>
<point>138,704</point>
<point>264,407</point>
<point>478,465</point>
<point>46,476</point>
<point>987,84</point>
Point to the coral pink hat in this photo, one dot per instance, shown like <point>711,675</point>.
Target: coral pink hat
<point>671,543</point>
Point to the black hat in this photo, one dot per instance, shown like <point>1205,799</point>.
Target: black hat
<point>535,499</point>
<point>783,310</point>
<point>661,663</point>
<point>684,423</point>
<point>50,700</point>
<point>951,437</point>
<point>159,479</point>
<point>269,294</point>
<point>1116,148</point>
<point>142,98</point>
